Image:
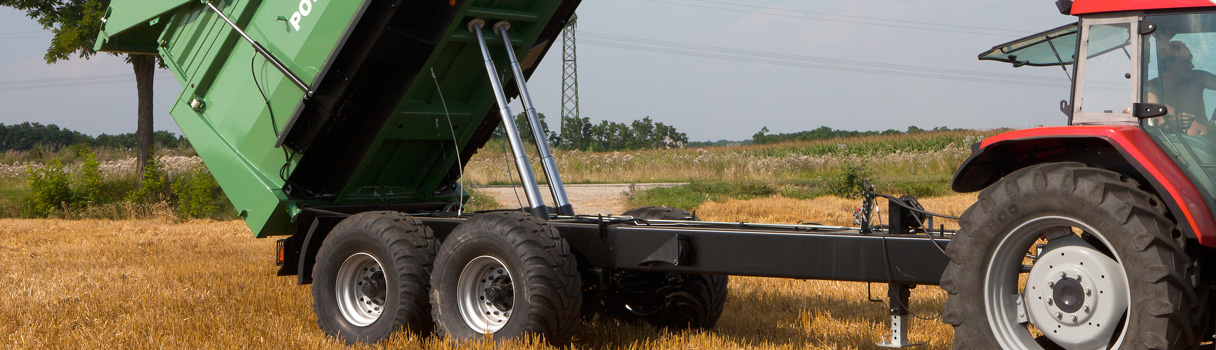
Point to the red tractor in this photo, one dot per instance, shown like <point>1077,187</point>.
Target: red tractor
<point>1098,234</point>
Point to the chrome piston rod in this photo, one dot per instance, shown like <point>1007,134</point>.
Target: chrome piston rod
<point>536,204</point>
<point>547,163</point>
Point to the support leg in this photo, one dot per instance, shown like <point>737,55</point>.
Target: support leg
<point>897,299</point>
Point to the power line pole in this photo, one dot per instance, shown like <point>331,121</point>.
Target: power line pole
<point>570,84</point>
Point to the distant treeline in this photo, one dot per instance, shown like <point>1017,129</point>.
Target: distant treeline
<point>581,134</point>
<point>27,136</point>
<point>719,143</point>
<point>824,133</point>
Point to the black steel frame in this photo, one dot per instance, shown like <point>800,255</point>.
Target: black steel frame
<point>903,253</point>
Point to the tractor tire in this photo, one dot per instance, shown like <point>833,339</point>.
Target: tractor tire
<point>506,274</point>
<point>1061,255</point>
<point>675,301</point>
<point>372,275</point>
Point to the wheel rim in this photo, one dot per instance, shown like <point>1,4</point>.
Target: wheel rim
<point>486,294</point>
<point>1073,294</point>
<point>361,289</point>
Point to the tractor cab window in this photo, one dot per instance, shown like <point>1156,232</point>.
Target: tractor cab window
<point>1108,67</point>
<point>1178,63</point>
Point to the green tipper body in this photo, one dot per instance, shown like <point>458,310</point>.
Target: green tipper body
<point>375,133</point>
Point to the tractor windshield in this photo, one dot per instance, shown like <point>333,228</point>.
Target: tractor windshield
<point>1178,61</point>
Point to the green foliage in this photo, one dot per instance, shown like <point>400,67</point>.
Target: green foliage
<point>719,143</point>
<point>123,141</point>
<point>195,194</point>
<point>525,129</point>
<point>479,201</point>
<point>581,134</point>
<point>681,197</point>
<point>91,182</point>
<point>689,196</point>
<point>27,136</point>
<point>75,23</point>
<point>32,136</point>
<point>154,187</point>
<point>49,190</point>
<point>826,133</point>
<point>849,182</point>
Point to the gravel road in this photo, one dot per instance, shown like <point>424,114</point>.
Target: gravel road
<point>606,199</point>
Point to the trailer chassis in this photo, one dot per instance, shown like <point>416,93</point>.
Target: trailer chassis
<point>901,254</point>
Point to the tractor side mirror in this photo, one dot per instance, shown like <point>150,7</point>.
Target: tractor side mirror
<point>1148,110</point>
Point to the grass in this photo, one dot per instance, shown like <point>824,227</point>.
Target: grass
<point>894,160</point>
<point>153,284</point>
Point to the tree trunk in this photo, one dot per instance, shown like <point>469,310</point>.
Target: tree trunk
<point>145,68</point>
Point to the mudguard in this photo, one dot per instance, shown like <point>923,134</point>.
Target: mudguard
<point>1123,148</point>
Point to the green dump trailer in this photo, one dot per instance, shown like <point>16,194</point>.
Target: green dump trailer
<point>345,126</point>
<point>355,115</point>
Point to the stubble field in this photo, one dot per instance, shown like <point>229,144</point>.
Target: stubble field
<point>161,284</point>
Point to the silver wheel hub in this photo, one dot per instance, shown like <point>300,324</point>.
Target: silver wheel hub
<point>1076,294</point>
<point>485,294</point>
<point>361,289</point>
<point>1071,292</point>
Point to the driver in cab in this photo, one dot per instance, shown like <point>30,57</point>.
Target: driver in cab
<point>1180,88</point>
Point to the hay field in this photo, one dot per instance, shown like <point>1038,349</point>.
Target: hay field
<point>160,284</point>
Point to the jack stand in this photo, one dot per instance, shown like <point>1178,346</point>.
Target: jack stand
<point>897,299</point>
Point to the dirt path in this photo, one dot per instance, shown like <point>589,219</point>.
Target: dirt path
<point>607,199</point>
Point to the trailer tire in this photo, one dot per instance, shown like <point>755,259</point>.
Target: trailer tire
<point>363,249</point>
<point>487,261</point>
<point>668,300</point>
<point>1142,277</point>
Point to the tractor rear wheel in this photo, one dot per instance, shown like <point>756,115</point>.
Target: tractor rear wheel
<point>372,276</point>
<point>506,274</point>
<point>667,300</point>
<point>1062,255</point>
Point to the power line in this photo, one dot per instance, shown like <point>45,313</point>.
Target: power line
<point>37,84</point>
<point>817,59</point>
<point>812,62</point>
<point>1012,31</point>
<point>22,37</point>
<point>804,16</point>
<point>67,79</point>
<point>823,66</point>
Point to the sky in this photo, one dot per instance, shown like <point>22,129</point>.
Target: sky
<point>714,69</point>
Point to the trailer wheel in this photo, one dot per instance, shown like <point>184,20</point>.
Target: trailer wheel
<point>507,274</point>
<point>668,300</point>
<point>1066,256</point>
<point>372,276</point>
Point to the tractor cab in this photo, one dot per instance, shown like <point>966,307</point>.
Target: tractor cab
<point>1134,63</point>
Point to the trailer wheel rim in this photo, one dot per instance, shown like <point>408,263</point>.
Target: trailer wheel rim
<point>1058,272</point>
<point>485,294</point>
<point>361,289</point>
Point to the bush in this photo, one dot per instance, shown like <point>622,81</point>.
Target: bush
<point>195,193</point>
<point>848,183</point>
<point>90,175</point>
<point>49,190</point>
<point>155,186</point>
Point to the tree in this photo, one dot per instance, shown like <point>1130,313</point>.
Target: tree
<point>76,24</point>
<point>525,129</point>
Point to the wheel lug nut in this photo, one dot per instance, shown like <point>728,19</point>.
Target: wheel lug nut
<point>1088,292</point>
<point>1063,274</point>
<point>1074,318</point>
<point>1050,301</point>
<point>1051,284</point>
<point>1078,277</point>
<point>1086,308</point>
<point>1059,315</point>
